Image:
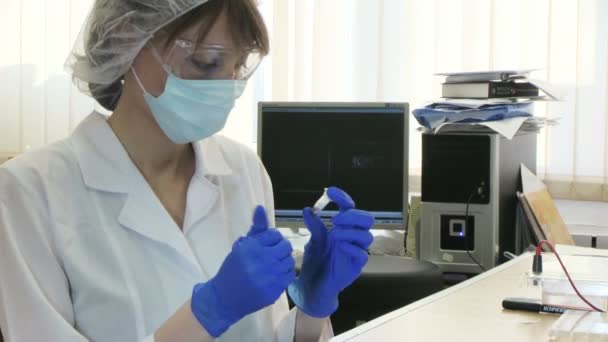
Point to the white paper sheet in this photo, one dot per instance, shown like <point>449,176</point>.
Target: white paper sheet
<point>507,127</point>
<point>476,103</point>
<point>555,93</point>
<point>529,181</point>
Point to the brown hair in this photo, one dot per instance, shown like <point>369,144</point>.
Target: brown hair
<point>247,28</point>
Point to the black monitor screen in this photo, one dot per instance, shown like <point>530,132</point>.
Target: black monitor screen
<point>359,149</point>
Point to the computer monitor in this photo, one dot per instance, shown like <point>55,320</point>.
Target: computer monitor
<point>359,147</point>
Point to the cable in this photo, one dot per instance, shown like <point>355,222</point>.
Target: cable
<point>509,255</point>
<point>537,268</point>
<point>466,223</point>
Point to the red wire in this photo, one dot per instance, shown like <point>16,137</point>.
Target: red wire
<point>539,249</point>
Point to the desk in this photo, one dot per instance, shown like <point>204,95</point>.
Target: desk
<point>584,235</point>
<point>469,311</point>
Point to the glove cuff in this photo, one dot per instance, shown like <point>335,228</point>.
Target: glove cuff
<point>204,298</point>
<point>310,304</point>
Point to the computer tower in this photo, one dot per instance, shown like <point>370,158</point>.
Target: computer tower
<point>483,171</point>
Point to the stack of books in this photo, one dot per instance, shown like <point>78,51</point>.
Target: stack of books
<point>513,84</point>
<point>499,101</point>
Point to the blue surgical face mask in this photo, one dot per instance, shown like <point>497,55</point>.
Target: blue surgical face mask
<point>192,110</point>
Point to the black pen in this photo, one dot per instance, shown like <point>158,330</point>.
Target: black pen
<point>530,304</point>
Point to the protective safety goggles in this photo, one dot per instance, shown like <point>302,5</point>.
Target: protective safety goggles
<point>189,61</point>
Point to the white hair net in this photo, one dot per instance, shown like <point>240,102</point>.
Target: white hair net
<point>112,36</point>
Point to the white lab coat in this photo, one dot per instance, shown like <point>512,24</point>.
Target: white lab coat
<point>87,251</point>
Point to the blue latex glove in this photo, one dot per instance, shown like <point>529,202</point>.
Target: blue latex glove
<point>333,258</point>
<point>254,275</point>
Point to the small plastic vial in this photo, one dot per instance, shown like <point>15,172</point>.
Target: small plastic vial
<point>321,203</point>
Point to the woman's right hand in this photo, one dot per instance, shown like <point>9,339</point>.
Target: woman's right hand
<point>254,275</point>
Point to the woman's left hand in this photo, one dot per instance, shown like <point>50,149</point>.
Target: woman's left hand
<point>333,258</point>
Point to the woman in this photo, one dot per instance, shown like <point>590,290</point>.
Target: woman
<point>138,226</point>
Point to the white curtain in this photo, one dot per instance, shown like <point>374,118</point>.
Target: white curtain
<point>354,50</point>
<point>38,104</point>
<point>388,50</point>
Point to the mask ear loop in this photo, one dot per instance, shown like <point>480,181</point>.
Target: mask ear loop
<point>141,85</point>
<point>159,60</point>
